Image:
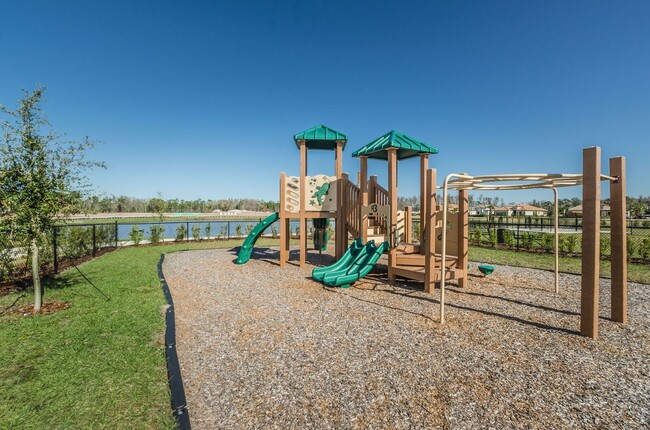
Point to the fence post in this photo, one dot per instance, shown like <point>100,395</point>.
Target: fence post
<point>94,239</point>
<point>228,231</point>
<point>116,234</point>
<point>54,245</point>
<point>187,231</point>
<point>517,237</point>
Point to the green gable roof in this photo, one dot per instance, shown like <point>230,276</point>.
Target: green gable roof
<point>407,147</point>
<point>320,137</point>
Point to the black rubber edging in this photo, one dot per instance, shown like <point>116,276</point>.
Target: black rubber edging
<point>179,403</point>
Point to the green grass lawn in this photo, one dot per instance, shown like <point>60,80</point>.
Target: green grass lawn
<point>101,364</point>
<point>636,272</point>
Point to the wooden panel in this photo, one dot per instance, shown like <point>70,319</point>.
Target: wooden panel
<point>590,242</point>
<point>618,239</point>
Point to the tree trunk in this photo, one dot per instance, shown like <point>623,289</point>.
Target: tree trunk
<point>36,277</point>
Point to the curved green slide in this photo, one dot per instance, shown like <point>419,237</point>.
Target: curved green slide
<point>356,267</point>
<point>352,252</point>
<point>247,247</point>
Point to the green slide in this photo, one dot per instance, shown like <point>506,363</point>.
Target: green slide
<point>319,272</point>
<point>356,268</point>
<point>247,248</point>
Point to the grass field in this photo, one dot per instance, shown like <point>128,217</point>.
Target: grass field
<point>101,363</point>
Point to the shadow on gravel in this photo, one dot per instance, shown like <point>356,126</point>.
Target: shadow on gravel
<point>272,256</point>
<point>432,300</point>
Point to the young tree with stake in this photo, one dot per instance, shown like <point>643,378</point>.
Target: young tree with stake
<point>41,177</point>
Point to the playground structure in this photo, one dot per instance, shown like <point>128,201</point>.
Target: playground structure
<point>368,212</point>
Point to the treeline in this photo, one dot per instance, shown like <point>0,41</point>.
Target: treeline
<point>119,204</point>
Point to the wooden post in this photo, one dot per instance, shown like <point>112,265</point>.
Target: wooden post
<point>284,234</point>
<point>408,224</point>
<point>618,239</point>
<point>392,192</point>
<point>590,242</point>
<point>463,236</point>
<point>429,243</point>
<point>338,159</point>
<point>363,189</point>
<point>424,196</point>
<point>341,217</point>
<point>303,204</point>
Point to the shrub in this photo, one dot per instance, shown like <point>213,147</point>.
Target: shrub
<point>249,228</point>
<point>571,243</point>
<point>238,230</point>
<point>548,241</point>
<point>604,244</point>
<point>562,243</point>
<point>181,232</point>
<point>297,232</point>
<point>274,232</point>
<point>645,248</point>
<point>136,234</point>
<point>223,231</point>
<point>208,230</point>
<point>478,235</point>
<point>631,249</point>
<point>196,232</point>
<point>417,230</point>
<point>527,240</point>
<point>493,237</point>
<point>76,242</point>
<point>509,238</point>
<point>156,233</point>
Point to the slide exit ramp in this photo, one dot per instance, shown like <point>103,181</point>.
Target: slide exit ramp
<point>356,268</point>
<point>247,247</point>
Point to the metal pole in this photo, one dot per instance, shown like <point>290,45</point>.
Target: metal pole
<point>116,234</point>
<point>557,244</point>
<point>94,239</point>
<point>54,245</point>
<point>187,231</point>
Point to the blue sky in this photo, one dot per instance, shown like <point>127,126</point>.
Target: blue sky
<point>201,99</point>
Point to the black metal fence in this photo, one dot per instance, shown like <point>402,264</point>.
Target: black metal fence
<point>537,235</point>
<point>74,241</point>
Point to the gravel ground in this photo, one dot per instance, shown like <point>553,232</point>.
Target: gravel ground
<point>265,347</point>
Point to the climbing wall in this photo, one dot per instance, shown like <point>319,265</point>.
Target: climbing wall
<point>320,193</point>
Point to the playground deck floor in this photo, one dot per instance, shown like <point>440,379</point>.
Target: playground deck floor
<point>265,347</point>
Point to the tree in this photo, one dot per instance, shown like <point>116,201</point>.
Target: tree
<point>41,177</point>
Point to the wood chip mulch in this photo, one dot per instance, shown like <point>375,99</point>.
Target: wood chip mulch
<point>266,347</point>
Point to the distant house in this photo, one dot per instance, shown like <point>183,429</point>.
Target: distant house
<point>528,210</point>
<point>576,211</point>
<point>479,210</point>
<point>502,211</point>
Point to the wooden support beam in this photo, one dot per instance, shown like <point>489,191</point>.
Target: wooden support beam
<point>338,170</point>
<point>618,239</point>
<point>284,234</point>
<point>463,235</point>
<point>363,189</point>
<point>424,196</point>
<point>341,218</point>
<point>408,224</point>
<point>392,193</point>
<point>430,233</point>
<point>590,242</point>
<point>303,204</point>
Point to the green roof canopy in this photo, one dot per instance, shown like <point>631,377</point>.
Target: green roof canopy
<point>407,147</point>
<point>320,137</point>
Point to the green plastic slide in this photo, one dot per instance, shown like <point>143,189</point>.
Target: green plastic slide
<point>247,248</point>
<point>345,261</point>
<point>355,268</point>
